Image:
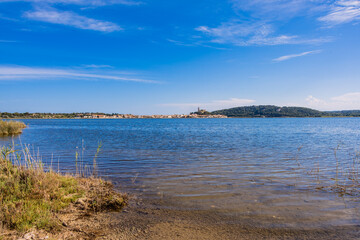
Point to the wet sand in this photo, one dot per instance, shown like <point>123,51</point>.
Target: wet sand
<point>151,221</point>
<point>145,219</point>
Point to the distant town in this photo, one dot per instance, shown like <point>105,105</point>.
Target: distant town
<point>201,113</point>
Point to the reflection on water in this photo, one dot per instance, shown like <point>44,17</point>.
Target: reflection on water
<point>241,167</point>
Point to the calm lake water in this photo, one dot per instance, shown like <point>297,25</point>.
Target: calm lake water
<point>247,168</point>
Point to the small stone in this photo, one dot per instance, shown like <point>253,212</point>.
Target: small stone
<point>29,236</point>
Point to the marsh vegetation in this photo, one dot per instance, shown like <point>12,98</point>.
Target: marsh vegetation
<point>8,128</point>
<point>33,196</point>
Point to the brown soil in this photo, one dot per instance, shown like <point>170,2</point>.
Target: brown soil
<point>152,221</point>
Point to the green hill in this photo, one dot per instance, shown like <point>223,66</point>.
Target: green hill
<point>271,111</point>
<point>344,113</point>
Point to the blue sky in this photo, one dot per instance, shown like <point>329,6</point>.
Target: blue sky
<point>152,56</point>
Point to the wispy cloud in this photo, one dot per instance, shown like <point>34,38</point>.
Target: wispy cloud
<point>8,18</point>
<point>197,43</point>
<point>97,66</point>
<point>342,11</point>
<point>180,43</point>
<point>72,19</point>
<point>213,105</point>
<point>7,41</point>
<point>80,2</point>
<point>281,9</point>
<point>68,18</point>
<point>250,34</point>
<point>347,101</point>
<point>287,57</point>
<point>33,73</point>
<point>348,97</point>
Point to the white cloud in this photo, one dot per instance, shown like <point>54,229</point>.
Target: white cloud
<point>244,34</point>
<point>332,12</point>
<point>250,34</point>
<point>79,2</point>
<point>353,97</point>
<point>348,101</point>
<point>213,105</point>
<point>313,101</point>
<point>287,57</point>
<point>343,11</point>
<point>68,18</point>
<point>23,73</point>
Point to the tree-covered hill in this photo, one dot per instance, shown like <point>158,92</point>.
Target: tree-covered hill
<point>344,113</point>
<point>274,111</point>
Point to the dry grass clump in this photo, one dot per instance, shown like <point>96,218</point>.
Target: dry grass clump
<point>11,127</point>
<point>31,197</point>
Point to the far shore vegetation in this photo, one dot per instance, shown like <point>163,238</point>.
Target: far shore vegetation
<point>270,111</point>
<point>261,111</point>
<point>34,197</point>
<point>8,128</point>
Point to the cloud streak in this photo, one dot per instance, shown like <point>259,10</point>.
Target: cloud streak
<point>343,11</point>
<point>251,34</point>
<point>79,2</point>
<point>279,9</point>
<point>288,57</point>
<point>30,73</point>
<point>51,15</point>
<point>7,41</point>
<point>244,34</point>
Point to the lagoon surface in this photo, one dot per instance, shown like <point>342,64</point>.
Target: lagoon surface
<point>261,170</point>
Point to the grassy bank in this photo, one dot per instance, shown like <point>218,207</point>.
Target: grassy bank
<point>34,198</point>
<point>8,128</point>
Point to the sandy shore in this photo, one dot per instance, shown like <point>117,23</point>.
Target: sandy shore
<point>150,220</point>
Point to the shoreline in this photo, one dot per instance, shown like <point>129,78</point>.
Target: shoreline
<point>148,220</point>
<point>151,221</point>
<point>325,117</point>
<point>173,218</point>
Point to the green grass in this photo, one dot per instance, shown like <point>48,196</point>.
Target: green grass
<point>11,127</point>
<point>31,197</point>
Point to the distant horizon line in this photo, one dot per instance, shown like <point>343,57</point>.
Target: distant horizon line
<point>108,113</point>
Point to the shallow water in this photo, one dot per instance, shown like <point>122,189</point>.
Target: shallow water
<point>246,168</point>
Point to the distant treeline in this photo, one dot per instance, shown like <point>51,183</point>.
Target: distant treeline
<point>48,115</point>
<point>275,111</point>
<point>269,111</point>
